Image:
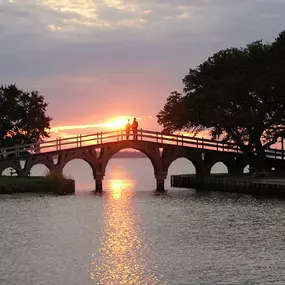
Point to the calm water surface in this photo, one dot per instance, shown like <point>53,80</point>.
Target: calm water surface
<point>129,235</point>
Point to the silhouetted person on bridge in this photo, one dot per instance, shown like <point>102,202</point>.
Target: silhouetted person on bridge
<point>135,126</point>
<point>128,129</point>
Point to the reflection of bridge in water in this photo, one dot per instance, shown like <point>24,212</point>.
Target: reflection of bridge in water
<point>97,149</point>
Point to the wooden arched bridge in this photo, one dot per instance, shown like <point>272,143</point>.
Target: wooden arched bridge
<point>97,149</point>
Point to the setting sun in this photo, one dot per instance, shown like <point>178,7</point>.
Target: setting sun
<point>117,123</point>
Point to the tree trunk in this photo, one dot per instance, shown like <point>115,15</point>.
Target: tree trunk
<point>260,161</point>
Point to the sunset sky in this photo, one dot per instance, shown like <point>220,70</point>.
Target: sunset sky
<point>97,60</point>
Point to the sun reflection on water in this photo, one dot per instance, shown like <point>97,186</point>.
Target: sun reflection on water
<point>123,247</point>
<point>116,188</point>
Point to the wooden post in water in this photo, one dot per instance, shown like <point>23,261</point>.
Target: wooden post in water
<point>99,183</point>
<point>99,186</point>
<point>160,185</point>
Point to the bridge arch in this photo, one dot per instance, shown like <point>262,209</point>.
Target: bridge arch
<point>137,172</point>
<point>89,158</point>
<point>84,179</point>
<point>16,166</point>
<point>35,161</point>
<point>40,169</point>
<point>151,151</point>
<point>219,167</point>
<point>194,157</point>
<point>228,160</point>
<point>78,158</point>
<point>152,156</point>
<point>191,168</point>
<point>180,166</point>
<point>8,171</point>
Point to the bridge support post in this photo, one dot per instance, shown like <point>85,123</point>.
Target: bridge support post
<point>99,183</point>
<point>160,183</point>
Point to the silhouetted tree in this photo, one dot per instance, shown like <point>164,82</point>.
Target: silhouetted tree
<point>23,117</point>
<point>238,94</point>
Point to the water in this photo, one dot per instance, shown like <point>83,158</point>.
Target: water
<point>129,235</point>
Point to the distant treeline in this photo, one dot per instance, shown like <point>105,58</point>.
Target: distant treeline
<point>129,154</point>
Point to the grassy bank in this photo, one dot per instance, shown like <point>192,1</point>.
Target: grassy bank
<point>55,184</point>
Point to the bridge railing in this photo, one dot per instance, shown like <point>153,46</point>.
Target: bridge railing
<point>120,135</point>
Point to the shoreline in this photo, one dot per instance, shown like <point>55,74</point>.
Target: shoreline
<point>36,184</point>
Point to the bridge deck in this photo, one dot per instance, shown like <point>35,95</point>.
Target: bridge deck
<point>100,138</point>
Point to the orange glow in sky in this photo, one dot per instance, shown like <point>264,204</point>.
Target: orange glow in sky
<point>113,123</point>
<point>118,123</point>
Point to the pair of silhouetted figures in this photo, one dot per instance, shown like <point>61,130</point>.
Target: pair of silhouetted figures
<point>134,126</point>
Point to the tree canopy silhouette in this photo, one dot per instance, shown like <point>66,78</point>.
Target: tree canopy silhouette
<point>23,117</point>
<point>238,94</point>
